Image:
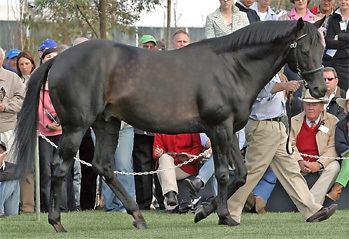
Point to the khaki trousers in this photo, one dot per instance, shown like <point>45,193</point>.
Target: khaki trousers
<point>27,193</point>
<point>325,181</point>
<point>266,145</point>
<point>168,178</point>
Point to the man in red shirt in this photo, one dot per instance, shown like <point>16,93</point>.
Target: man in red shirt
<point>312,133</point>
<point>164,144</point>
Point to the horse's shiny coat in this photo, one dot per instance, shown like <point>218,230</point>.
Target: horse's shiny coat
<point>208,87</point>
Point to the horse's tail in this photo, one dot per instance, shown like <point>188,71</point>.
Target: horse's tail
<point>24,144</point>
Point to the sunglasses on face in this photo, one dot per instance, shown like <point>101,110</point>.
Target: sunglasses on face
<point>329,78</point>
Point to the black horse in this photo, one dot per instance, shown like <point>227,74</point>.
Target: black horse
<point>208,86</point>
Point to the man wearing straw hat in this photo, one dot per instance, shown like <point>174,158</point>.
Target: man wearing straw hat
<point>312,137</point>
<point>342,148</point>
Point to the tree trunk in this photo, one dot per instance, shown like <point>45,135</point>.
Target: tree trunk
<point>168,28</point>
<point>102,19</point>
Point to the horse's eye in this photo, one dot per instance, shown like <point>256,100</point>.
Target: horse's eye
<point>304,50</point>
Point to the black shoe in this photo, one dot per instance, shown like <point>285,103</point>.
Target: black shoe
<point>171,198</point>
<point>194,185</point>
<point>323,214</point>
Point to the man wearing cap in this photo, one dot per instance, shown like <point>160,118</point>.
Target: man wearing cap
<point>46,44</point>
<point>11,99</point>
<point>143,151</point>
<point>147,41</point>
<point>10,62</point>
<point>313,133</point>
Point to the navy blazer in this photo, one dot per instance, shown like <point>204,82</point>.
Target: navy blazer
<point>341,136</point>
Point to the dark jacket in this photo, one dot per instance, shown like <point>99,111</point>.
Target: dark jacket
<point>333,108</point>
<point>251,14</point>
<point>341,136</point>
<point>342,44</point>
<point>9,172</point>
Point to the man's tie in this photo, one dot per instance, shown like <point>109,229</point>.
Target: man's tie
<point>312,124</point>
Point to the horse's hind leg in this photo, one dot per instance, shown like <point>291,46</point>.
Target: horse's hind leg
<point>68,147</point>
<point>107,133</point>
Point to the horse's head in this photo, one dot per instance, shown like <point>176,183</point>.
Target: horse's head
<point>305,56</point>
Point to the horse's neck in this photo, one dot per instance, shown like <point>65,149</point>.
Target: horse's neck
<point>256,71</point>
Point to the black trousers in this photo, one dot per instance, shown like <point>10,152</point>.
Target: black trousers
<point>88,176</point>
<point>342,69</point>
<point>143,162</point>
<point>46,153</point>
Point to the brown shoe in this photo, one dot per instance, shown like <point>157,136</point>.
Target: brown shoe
<point>323,214</point>
<point>260,205</point>
<point>335,192</point>
<point>250,202</point>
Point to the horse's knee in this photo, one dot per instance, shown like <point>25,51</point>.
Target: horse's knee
<point>240,182</point>
<point>58,174</point>
<point>240,179</point>
<point>222,177</point>
<point>103,170</point>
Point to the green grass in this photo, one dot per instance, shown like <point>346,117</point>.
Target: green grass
<point>99,224</point>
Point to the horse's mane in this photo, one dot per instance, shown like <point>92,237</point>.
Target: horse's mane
<point>256,34</point>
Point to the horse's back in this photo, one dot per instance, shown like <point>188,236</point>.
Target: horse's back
<point>162,91</point>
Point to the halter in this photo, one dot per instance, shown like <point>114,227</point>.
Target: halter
<point>299,71</point>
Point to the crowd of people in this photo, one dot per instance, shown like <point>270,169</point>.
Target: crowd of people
<point>318,132</point>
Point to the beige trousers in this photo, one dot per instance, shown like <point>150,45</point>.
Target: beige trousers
<point>266,142</point>
<point>27,193</point>
<point>168,178</point>
<point>325,181</point>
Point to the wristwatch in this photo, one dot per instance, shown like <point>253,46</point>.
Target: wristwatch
<point>321,166</point>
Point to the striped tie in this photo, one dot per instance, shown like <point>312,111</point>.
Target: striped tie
<point>312,125</point>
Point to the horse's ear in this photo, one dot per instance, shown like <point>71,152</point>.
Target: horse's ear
<point>300,24</point>
<point>319,23</point>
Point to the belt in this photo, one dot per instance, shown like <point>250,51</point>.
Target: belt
<point>278,119</point>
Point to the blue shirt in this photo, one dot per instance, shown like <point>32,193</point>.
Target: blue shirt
<point>267,104</point>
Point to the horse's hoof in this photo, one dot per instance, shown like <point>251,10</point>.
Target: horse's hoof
<point>202,212</point>
<point>58,227</point>
<point>140,224</point>
<point>227,221</point>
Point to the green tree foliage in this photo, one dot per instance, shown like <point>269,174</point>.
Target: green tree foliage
<point>93,18</point>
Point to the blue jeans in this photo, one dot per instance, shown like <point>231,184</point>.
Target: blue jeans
<point>266,185</point>
<point>123,162</point>
<point>77,182</point>
<point>9,197</point>
<point>206,172</point>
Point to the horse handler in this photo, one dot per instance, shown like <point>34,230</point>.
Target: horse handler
<point>266,139</point>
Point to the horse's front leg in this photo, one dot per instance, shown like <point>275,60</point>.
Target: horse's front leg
<point>235,158</point>
<point>222,138</point>
<point>61,165</point>
<point>240,175</point>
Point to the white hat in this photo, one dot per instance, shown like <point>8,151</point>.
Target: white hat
<point>310,99</point>
<point>341,102</point>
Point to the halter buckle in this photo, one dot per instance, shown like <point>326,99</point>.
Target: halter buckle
<point>293,45</point>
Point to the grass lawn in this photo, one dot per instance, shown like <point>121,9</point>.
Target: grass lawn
<point>99,224</point>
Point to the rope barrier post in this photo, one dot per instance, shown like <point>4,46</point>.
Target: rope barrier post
<point>37,181</point>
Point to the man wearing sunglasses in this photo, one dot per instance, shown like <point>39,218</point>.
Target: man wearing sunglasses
<point>333,92</point>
